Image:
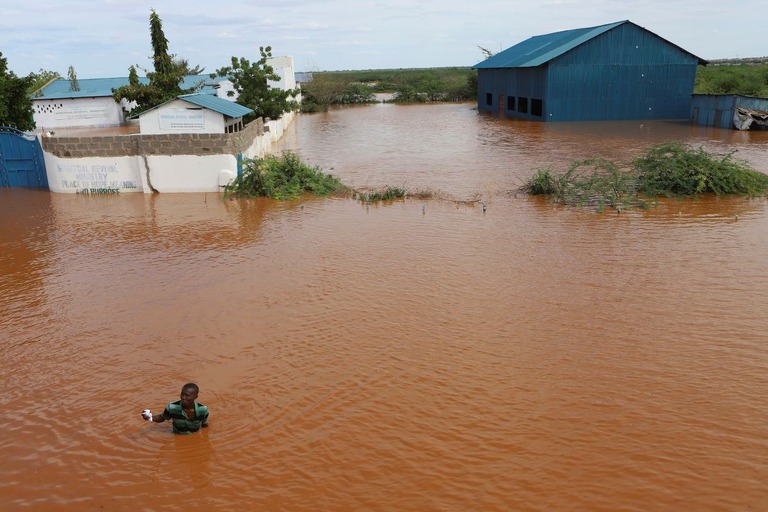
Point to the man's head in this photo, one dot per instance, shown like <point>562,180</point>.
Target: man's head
<point>189,394</point>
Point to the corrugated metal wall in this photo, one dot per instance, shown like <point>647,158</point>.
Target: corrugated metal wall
<point>510,86</point>
<point>626,73</point>
<point>717,109</point>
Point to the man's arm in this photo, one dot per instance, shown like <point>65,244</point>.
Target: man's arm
<point>156,418</point>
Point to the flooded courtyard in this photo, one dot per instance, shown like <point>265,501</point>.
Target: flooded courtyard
<point>414,355</point>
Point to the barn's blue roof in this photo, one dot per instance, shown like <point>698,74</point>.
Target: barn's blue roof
<point>100,87</point>
<point>209,101</point>
<point>539,50</point>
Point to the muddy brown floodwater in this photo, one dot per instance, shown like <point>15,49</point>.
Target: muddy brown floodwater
<point>418,355</point>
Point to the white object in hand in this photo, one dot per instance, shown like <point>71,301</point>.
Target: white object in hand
<point>147,414</point>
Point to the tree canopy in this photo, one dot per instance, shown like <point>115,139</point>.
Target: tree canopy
<point>251,85</point>
<point>15,103</point>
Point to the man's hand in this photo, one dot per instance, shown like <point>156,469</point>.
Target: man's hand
<point>146,414</point>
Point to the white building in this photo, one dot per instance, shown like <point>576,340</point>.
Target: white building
<point>193,113</point>
<point>90,104</point>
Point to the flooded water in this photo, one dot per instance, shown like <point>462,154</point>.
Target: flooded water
<point>418,355</point>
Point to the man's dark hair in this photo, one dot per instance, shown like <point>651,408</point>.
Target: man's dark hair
<point>191,385</point>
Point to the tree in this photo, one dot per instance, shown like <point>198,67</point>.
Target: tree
<point>164,83</point>
<point>163,62</point>
<point>487,54</point>
<point>251,85</point>
<point>15,102</point>
<point>183,67</point>
<point>40,79</point>
<point>72,77</point>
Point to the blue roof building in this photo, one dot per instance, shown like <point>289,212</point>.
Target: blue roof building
<point>100,87</point>
<point>58,105</point>
<point>193,113</point>
<point>618,71</point>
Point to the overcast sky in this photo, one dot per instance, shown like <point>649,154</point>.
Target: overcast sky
<point>102,38</point>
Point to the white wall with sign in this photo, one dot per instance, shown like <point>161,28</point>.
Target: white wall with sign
<point>179,116</point>
<point>159,173</point>
<point>52,114</point>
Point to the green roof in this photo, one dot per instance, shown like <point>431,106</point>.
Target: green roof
<point>101,87</point>
<point>209,101</point>
<point>539,50</point>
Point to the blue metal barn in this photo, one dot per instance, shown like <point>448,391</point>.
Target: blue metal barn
<point>618,71</point>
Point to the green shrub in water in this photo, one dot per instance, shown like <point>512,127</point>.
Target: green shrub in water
<point>672,169</point>
<point>595,182</point>
<point>282,177</point>
<point>386,194</point>
<point>676,169</point>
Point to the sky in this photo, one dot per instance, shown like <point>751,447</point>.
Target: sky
<point>103,38</point>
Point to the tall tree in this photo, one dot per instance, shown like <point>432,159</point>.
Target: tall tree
<point>74,85</point>
<point>163,62</point>
<point>15,102</point>
<point>164,82</point>
<point>251,85</point>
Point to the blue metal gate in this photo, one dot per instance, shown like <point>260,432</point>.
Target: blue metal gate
<point>21,160</point>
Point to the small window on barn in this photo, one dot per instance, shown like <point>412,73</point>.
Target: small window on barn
<point>511,103</point>
<point>489,99</point>
<point>537,107</point>
<point>522,105</point>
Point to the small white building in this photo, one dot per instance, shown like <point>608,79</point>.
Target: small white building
<point>89,103</point>
<point>193,113</point>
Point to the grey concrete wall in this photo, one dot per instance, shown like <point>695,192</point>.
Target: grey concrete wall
<point>196,144</point>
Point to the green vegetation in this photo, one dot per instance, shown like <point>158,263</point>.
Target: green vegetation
<point>460,84</point>
<point>164,82</point>
<point>251,83</point>
<point>672,169</point>
<point>744,79</point>
<point>282,177</point>
<point>595,182</point>
<point>385,194</point>
<point>74,85</point>
<point>15,102</point>
<point>286,177</point>
<point>40,79</point>
<point>675,169</point>
<point>407,86</point>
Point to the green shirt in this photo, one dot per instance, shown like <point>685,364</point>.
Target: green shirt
<point>183,424</point>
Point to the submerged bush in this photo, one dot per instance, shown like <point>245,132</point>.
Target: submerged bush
<point>677,169</point>
<point>282,177</point>
<point>595,182</point>
<point>672,169</point>
<point>385,194</point>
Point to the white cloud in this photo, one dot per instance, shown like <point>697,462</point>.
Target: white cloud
<point>104,38</point>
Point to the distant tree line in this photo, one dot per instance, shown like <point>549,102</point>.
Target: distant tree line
<point>744,79</point>
<point>460,84</point>
<point>405,85</point>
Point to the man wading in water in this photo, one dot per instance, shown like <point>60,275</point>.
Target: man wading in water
<point>187,414</point>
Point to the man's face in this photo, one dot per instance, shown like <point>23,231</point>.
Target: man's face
<point>188,397</point>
